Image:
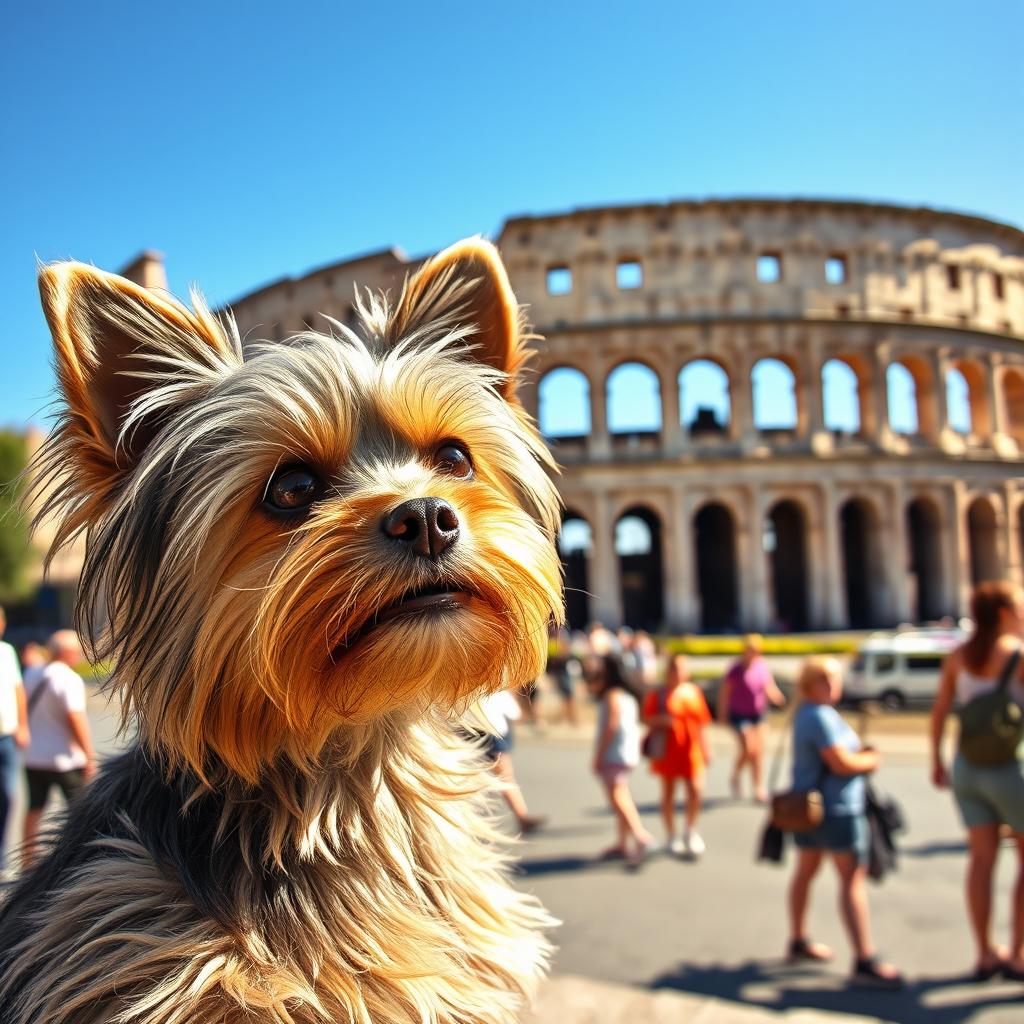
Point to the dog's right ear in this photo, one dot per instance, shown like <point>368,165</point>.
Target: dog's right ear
<point>126,357</point>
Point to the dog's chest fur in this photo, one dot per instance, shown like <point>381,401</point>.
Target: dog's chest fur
<point>384,902</point>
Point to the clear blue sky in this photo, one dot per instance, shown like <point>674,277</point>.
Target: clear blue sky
<point>250,141</point>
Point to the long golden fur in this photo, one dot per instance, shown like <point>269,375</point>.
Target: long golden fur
<point>299,835</point>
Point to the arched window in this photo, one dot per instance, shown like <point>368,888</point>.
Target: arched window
<point>958,402</point>
<point>634,399</point>
<point>1013,390</point>
<point>901,391</point>
<point>632,536</point>
<point>638,546</point>
<point>840,397</point>
<point>576,537</point>
<point>983,534</point>
<point>704,406</point>
<point>774,395</point>
<point>575,542</point>
<point>564,403</point>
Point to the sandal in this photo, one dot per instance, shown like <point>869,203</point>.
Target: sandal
<point>1011,973</point>
<point>804,949</point>
<point>988,973</point>
<point>868,973</point>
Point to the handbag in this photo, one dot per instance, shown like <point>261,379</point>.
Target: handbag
<point>655,744</point>
<point>795,810</point>
<point>992,724</point>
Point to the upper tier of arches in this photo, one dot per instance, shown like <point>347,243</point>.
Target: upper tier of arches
<point>895,397</point>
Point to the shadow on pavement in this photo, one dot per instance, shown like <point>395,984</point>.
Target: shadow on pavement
<point>653,807</point>
<point>948,848</point>
<point>779,987</point>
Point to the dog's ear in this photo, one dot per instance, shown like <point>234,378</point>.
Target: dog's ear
<point>468,283</point>
<point>126,357</point>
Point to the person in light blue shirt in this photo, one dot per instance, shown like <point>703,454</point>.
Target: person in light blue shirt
<point>829,758</point>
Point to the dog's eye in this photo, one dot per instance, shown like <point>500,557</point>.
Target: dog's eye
<point>292,489</point>
<point>452,458</point>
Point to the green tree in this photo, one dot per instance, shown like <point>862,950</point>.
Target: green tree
<point>15,551</point>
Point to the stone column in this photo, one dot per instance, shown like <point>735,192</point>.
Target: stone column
<point>600,441</point>
<point>940,366</point>
<point>680,568</point>
<point>741,398</point>
<point>1012,537</point>
<point>959,547</point>
<point>814,399</point>
<point>606,602</point>
<point>673,439</point>
<point>880,397</point>
<point>831,577</point>
<point>758,613</point>
<point>897,554</point>
<point>1000,440</point>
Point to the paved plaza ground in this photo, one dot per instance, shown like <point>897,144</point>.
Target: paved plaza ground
<point>701,942</point>
<point>713,932</point>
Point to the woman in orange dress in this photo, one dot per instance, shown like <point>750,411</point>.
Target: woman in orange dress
<point>679,713</point>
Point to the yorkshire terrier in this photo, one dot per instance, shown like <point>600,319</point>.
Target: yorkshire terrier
<point>309,556</point>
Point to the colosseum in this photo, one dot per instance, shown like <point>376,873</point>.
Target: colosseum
<point>769,414</point>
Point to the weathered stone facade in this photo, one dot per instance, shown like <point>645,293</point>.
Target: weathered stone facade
<point>752,526</point>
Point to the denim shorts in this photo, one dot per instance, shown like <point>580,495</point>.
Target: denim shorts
<point>989,796</point>
<point>840,833</point>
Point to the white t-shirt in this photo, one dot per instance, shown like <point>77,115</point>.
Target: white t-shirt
<point>10,678</point>
<point>53,746</point>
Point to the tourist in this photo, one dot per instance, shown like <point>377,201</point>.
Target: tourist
<point>988,796</point>
<point>491,725</point>
<point>677,714</point>
<point>617,753</point>
<point>14,732</point>
<point>645,651</point>
<point>565,671</point>
<point>746,691</point>
<point>828,758</point>
<point>60,751</point>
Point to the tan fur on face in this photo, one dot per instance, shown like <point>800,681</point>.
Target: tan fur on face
<point>266,621</point>
<point>245,667</point>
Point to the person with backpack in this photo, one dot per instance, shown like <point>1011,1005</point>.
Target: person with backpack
<point>676,715</point>
<point>985,678</point>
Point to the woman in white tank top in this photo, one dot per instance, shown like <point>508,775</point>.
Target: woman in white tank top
<point>987,797</point>
<point>617,753</point>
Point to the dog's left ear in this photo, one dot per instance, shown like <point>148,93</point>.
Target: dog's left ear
<point>468,282</point>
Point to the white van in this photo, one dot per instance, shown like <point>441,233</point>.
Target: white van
<point>899,669</point>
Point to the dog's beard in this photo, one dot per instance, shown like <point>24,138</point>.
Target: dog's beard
<point>297,644</point>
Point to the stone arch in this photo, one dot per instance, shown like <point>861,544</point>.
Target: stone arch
<point>785,544</point>
<point>563,402</point>
<point>979,412</point>
<point>776,406</point>
<point>714,535</point>
<point>638,544</point>
<point>1013,395</point>
<point>864,574</point>
<point>927,569</point>
<point>983,538</point>
<point>633,393</point>
<point>842,393</point>
<point>911,399</point>
<point>705,402</point>
<point>575,545</point>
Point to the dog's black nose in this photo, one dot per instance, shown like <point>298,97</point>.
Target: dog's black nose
<point>428,525</point>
